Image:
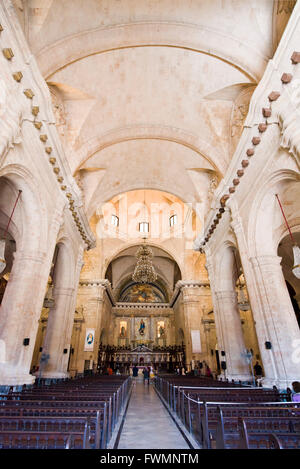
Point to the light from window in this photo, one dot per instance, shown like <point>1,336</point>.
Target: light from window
<point>173,220</point>
<point>114,220</point>
<point>144,227</point>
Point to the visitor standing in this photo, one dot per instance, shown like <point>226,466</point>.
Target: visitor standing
<point>146,373</point>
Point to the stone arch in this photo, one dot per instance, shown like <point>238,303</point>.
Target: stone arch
<point>134,243</point>
<point>66,263</point>
<point>179,136</point>
<point>31,208</point>
<point>261,217</point>
<point>228,261</point>
<point>126,282</point>
<point>150,34</point>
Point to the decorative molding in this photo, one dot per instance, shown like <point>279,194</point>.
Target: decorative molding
<point>289,122</point>
<point>182,284</point>
<point>16,110</point>
<point>102,283</point>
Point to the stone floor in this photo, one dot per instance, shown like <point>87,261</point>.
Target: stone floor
<point>148,425</point>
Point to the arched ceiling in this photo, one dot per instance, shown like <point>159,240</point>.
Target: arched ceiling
<point>121,268</point>
<point>150,94</point>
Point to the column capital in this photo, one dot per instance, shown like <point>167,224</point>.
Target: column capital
<point>237,224</point>
<point>30,256</point>
<point>226,295</point>
<point>266,261</point>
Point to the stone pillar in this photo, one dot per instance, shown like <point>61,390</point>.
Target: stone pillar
<point>19,314</point>
<point>194,299</point>
<point>232,334</point>
<point>132,333</point>
<point>75,345</point>
<point>55,339</point>
<point>152,333</point>
<point>273,313</point>
<point>93,319</point>
<point>60,321</point>
<point>228,328</point>
<point>279,324</point>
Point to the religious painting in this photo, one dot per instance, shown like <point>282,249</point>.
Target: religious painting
<point>142,293</point>
<point>89,340</point>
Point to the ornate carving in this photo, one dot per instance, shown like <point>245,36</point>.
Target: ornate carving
<point>59,112</point>
<point>239,113</point>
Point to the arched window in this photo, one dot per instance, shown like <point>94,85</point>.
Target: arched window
<point>173,220</point>
<point>144,227</point>
<point>115,220</point>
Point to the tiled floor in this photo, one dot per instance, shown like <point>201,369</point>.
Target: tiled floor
<point>147,424</point>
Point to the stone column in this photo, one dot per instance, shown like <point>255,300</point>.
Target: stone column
<point>151,334</point>
<point>60,320</point>
<point>55,339</point>
<point>21,308</point>
<point>93,319</point>
<point>75,346</point>
<point>20,311</point>
<point>228,328</point>
<point>132,334</point>
<point>193,302</point>
<point>280,327</point>
<point>233,339</point>
<point>273,314</point>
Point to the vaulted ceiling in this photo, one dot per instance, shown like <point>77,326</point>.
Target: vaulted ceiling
<point>151,94</point>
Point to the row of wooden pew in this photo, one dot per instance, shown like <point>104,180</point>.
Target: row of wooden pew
<point>73,414</point>
<point>224,415</point>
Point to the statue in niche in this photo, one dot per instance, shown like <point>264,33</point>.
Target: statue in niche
<point>142,327</point>
<point>122,332</point>
<point>161,331</point>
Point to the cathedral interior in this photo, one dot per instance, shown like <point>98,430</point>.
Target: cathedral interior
<point>149,189</point>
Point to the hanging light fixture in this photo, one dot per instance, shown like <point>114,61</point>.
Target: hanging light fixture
<point>296,249</point>
<point>242,302</point>
<point>3,241</point>
<point>144,271</point>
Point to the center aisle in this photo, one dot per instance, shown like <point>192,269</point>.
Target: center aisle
<point>148,424</point>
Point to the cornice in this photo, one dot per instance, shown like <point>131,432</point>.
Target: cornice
<point>102,283</point>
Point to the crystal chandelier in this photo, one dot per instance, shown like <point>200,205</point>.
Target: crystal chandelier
<point>144,271</point>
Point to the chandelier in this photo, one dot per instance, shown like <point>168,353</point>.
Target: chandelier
<point>144,271</point>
